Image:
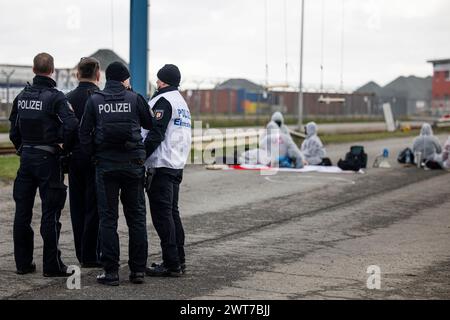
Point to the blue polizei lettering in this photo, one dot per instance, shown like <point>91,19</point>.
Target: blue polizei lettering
<point>184,113</point>
<point>180,123</point>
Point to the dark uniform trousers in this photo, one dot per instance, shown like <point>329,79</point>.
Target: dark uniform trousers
<point>163,197</point>
<point>83,207</point>
<point>127,181</point>
<point>38,169</point>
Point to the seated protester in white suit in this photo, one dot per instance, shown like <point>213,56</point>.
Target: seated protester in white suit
<point>427,144</point>
<point>312,148</point>
<point>444,159</point>
<point>279,149</point>
<point>278,118</point>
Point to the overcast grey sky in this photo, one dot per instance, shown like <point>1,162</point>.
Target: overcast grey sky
<point>213,40</point>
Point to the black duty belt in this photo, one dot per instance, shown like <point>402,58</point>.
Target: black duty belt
<point>50,149</point>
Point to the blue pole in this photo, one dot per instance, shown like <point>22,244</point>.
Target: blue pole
<point>139,46</point>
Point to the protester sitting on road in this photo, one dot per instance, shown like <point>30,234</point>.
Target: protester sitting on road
<point>280,148</point>
<point>312,148</point>
<point>445,156</point>
<point>276,149</point>
<point>427,144</point>
<point>278,118</point>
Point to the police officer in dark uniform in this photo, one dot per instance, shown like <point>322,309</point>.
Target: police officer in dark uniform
<point>41,121</point>
<point>82,193</point>
<point>111,131</point>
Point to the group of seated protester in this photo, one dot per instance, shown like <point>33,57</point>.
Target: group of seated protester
<point>277,148</point>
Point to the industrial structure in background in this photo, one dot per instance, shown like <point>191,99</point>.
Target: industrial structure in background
<point>441,87</point>
<point>240,98</point>
<point>407,96</point>
<point>13,78</point>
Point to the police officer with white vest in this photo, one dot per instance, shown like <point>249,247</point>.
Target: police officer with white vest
<point>41,121</point>
<point>168,146</point>
<point>111,131</point>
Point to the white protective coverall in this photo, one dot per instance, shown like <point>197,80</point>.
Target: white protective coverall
<point>427,144</point>
<point>278,118</point>
<point>273,146</point>
<point>312,148</point>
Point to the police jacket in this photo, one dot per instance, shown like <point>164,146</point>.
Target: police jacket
<point>41,115</point>
<point>111,124</point>
<point>168,144</point>
<point>78,98</point>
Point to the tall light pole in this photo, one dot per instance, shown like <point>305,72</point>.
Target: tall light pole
<point>300,87</point>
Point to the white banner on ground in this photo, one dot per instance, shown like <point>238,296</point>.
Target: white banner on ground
<point>320,169</point>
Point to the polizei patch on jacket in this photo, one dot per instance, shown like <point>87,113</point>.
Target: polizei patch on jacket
<point>114,107</point>
<point>30,105</point>
<point>159,114</point>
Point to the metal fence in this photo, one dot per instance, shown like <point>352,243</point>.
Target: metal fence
<point>241,103</point>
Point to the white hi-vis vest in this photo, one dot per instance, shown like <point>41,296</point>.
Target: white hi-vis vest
<point>174,150</point>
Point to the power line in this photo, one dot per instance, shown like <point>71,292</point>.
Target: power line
<point>342,44</point>
<point>322,46</point>
<point>267,40</point>
<point>300,87</point>
<point>112,24</point>
<point>286,41</point>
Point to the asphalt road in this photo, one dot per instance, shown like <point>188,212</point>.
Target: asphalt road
<point>286,236</point>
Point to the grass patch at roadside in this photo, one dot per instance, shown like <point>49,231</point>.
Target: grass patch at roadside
<point>4,128</point>
<point>368,136</point>
<point>371,136</point>
<point>8,167</point>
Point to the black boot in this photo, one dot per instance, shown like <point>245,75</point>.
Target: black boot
<point>30,269</point>
<point>57,274</point>
<point>182,266</point>
<point>160,270</point>
<point>109,279</point>
<point>137,277</point>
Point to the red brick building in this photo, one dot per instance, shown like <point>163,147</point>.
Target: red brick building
<point>441,86</point>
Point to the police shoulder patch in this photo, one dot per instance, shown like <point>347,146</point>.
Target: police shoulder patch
<point>159,114</point>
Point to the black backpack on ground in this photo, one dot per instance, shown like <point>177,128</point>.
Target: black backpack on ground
<point>355,160</point>
<point>406,156</point>
<point>433,165</point>
<point>326,162</point>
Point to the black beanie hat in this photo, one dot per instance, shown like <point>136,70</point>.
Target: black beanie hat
<point>170,74</point>
<point>117,71</point>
